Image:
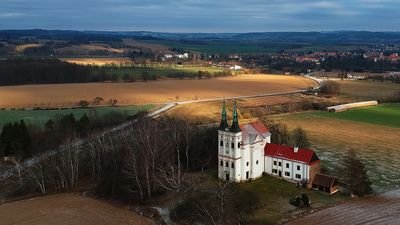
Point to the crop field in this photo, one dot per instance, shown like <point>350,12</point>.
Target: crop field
<point>67,209</point>
<point>210,112</point>
<point>97,61</point>
<point>40,117</point>
<point>367,90</point>
<point>377,145</point>
<point>152,92</point>
<point>22,48</point>
<point>382,209</point>
<point>86,49</point>
<point>386,115</point>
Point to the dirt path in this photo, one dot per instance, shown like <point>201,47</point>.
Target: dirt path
<point>67,209</point>
<point>382,209</point>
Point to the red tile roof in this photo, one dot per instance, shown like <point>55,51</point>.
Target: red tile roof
<point>258,125</point>
<point>304,155</point>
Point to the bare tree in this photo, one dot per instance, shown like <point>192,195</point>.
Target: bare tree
<point>38,174</point>
<point>67,164</point>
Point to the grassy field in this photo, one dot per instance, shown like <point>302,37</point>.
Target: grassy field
<point>67,209</point>
<point>374,139</point>
<point>386,115</point>
<point>367,90</point>
<point>40,117</point>
<point>274,194</point>
<point>153,92</point>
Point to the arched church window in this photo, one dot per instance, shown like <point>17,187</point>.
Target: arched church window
<point>221,163</point>
<point>238,144</point>
<point>226,164</point>
<point>232,145</point>
<point>257,162</point>
<point>233,165</point>
<point>247,164</point>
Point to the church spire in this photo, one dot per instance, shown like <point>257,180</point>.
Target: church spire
<point>224,122</point>
<point>235,124</point>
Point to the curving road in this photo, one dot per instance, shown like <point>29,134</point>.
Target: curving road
<point>4,175</point>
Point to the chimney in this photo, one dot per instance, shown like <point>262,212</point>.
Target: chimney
<point>296,149</point>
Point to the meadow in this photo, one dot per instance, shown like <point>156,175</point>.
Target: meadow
<point>385,114</point>
<point>372,132</point>
<point>151,92</point>
<point>367,90</point>
<point>40,117</point>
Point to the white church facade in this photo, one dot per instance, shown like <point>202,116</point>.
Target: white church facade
<point>245,153</point>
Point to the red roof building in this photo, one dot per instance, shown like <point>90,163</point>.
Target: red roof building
<point>291,163</point>
<point>303,155</point>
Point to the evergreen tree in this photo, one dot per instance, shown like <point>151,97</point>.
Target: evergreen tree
<point>354,175</point>
<point>15,139</point>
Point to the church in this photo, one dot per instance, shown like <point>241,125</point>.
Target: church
<point>245,152</point>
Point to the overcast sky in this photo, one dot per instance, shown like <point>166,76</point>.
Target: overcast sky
<point>202,15</point>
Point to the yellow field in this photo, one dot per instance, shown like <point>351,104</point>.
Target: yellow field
<point>85,49</point>
<point>22,48</point>
<point>148,92</point>
<point>96,61</point>
<point>67,209</point>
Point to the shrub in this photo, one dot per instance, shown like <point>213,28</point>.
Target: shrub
<point>83,103</point>
<point>330,88</point>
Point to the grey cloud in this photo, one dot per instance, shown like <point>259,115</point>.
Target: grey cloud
<point>200,15</point>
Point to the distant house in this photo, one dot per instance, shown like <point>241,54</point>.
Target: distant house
<point>235,67</point>
<point>325,183</point>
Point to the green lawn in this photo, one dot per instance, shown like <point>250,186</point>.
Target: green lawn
<point>274,195</point>
<point>385,114</point>
<point>40,117</point>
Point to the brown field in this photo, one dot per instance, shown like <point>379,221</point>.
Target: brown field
<point>383,210</point>
<point>377,145</point>
<point>67,209</point>
<point>156,47</point>
<point>368,90</point>
<point>209,112</point>
<point>149,92</point>
<point>96,61</point>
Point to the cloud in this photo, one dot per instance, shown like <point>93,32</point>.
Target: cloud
<point>201,15</point>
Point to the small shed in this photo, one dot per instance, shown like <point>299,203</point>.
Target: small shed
<point>325,183</point>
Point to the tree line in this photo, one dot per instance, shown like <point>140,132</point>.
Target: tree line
<point>54,71</point>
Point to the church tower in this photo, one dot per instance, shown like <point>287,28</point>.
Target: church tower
<point>229,145</point>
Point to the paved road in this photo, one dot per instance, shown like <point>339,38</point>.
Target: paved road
<point>4,175</point>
